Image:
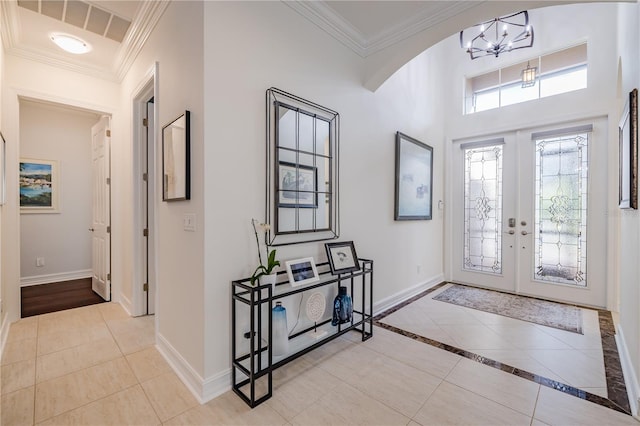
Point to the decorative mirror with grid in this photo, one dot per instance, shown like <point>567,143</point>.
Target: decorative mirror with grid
<point>302,170</point>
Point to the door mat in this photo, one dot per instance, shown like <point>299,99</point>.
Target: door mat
<point>550,314</point>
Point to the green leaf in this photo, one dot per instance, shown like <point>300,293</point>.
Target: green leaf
<point>256,274</point>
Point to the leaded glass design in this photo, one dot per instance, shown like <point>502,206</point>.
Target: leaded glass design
<point>483,209</point>
<point>561,209</point>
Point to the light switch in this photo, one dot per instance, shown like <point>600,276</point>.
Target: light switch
<point>189,222</point>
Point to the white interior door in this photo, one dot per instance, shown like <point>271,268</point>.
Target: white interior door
<point>101,209</point>
<point>529,213</point>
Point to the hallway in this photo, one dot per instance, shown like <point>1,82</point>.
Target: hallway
<point>96,365</point>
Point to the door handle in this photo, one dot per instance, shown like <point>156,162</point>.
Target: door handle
<point>524,232</point>
<point>91,229</point>
<point>510,232</point>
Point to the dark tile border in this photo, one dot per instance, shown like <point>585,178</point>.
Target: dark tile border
<point>616,389</point>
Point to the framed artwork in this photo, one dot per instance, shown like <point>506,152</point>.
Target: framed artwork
<point>302,271</point>
<point>297,185</point>
<point>3,169</point>
<point>342,257</point>
<point>176,159</point>
<point>414,179</point>
<point>628,144</point>
<point>39,188</point>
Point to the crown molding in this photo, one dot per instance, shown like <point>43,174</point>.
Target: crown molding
<point>416,24</point>
<point>332,23</point>
<point>142,26</point>
<point>328,20</point>
<point>10,23</point>
<point>61,62</point>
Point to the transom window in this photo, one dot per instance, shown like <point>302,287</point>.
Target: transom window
<point>559,72</point>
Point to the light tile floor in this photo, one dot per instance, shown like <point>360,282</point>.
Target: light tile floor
<point>96,366</point>
<point>570,358</point>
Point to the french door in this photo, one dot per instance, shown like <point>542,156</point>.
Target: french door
<point>529,212</point>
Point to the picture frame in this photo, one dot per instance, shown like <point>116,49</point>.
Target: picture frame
<point>3,169</point>
<point>176,159</point>
<point>413,179</point>
<point>302,271</point>
<point>39,186</point>
<point>628,146</point>
<point>342,257</point>
<point>297,185</point>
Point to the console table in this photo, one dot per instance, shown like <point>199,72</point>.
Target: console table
<point>253,362</point>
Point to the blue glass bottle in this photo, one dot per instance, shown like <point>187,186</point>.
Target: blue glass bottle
<point>280,334</point>
<point>342,307</point>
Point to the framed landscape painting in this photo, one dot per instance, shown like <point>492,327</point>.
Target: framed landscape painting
<point>39,186</point>
<point>414,179</point>
<point>628,144</point>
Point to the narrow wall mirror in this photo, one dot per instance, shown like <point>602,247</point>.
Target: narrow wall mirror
<point>176,173</point>
<point>302,170</point>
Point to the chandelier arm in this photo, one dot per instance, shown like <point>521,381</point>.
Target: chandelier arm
<point>524,12</point>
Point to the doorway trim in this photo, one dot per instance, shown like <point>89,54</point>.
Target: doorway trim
<point>146,89</point>
<point>10,311</point>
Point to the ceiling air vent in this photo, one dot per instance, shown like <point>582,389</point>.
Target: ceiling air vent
<point>82,15</point>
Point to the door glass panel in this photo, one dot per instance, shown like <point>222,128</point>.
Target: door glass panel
<point>561,209</point>
<point>483,209</point>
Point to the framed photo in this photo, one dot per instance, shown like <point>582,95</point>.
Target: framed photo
<point>302,271</point>
<point>628,143</point>
<point>39,190</point>
<point>3,169</point>
<point>342,257</point>
<point>414,179</point>
<point>176,159</point>
<point>297,185</point>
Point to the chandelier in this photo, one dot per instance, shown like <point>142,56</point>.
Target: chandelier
<point>529,76</point>
<point>495,36</point>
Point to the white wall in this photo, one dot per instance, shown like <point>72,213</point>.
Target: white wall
<point>250,47</point>
<point>176,44</point>
<point>628,235</point>
<point>4,324</point>
<point>53,133</point>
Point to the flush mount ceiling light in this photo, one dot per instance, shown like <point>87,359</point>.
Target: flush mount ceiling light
<point>69,43</point>
<point>494,36</point>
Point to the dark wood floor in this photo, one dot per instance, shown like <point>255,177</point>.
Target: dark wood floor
<point>45,298</point>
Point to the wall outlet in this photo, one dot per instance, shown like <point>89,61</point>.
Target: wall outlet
<point>39,261</point>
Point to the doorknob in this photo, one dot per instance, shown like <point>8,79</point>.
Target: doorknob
<point>524,233</point>
<point>510,232</point>
<point>91,229</point>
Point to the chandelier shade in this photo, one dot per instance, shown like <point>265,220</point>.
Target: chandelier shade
<point>498,35</point>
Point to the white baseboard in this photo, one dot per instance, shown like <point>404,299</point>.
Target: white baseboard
<point>54,278</point>
<point>391,301</point>
<point>203,390</point>
<point>4,331</point>
<point>125,302</point>
<point>630,377</point>
<point>206,389</point>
